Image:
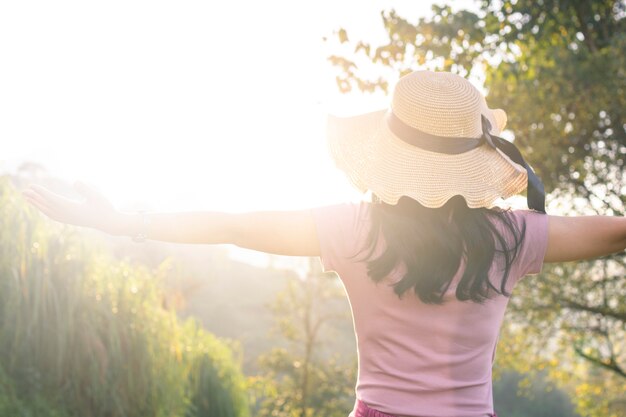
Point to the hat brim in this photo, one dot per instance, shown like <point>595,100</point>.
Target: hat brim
<point>373,158</point>
<point>500,117</point>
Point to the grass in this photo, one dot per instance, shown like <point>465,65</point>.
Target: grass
<point>82,334</point>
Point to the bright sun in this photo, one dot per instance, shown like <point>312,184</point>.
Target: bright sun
<point>173,107</point>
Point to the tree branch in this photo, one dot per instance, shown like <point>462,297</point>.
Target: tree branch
<point>619,315</point>
<point>611,365</point>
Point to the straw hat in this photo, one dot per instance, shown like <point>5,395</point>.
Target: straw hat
<point>430,145</point>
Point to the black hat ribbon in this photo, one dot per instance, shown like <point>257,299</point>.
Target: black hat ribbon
<point>455,145</point>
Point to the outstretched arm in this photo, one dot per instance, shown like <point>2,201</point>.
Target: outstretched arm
<point>278,232</point>
<point>585,237</point>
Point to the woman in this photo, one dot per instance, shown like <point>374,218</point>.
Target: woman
<point>428,265</point>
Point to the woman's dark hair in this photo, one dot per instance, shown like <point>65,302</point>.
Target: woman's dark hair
<point>431,242</point>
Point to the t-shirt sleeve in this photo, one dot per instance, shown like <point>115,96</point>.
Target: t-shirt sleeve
<point>533,248</point>
<point>339,230</point>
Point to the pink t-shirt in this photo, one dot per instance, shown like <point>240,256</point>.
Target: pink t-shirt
<point>416,359</point>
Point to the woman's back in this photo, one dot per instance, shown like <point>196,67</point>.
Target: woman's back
<point>418,359</point>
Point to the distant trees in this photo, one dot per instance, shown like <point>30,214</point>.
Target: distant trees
<point>539,399</point>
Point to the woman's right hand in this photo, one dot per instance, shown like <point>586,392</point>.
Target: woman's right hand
<point>94,211</point>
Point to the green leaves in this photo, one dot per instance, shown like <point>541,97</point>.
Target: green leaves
<point>304,379</point>
<point>82,334</point>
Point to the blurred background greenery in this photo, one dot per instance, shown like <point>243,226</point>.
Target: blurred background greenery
<point>93,325</point>
<point>85,334</point>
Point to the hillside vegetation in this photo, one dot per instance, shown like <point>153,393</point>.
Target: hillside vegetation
<point>83,334</point>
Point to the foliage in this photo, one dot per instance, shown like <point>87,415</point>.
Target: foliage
<point>299,381</point>
<point>12,405</point>
<point>566,83</point>
<point>86,335</point>
<point>555,325</point>
<point>217,387</point>
<point>540,399</point>
<point>557,68</point>
<point>543,62</point>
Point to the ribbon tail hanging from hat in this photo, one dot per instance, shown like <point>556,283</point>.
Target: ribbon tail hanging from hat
<point>536,196</point>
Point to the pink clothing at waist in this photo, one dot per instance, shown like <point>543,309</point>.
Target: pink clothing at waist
<point>362,410</point>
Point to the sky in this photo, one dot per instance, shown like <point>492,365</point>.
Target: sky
<point>182,105</point>
<point>187,105</point>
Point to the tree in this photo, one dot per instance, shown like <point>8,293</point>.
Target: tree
<point>303,379</point>
<point>539,64</point>
<point>557,68</point>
